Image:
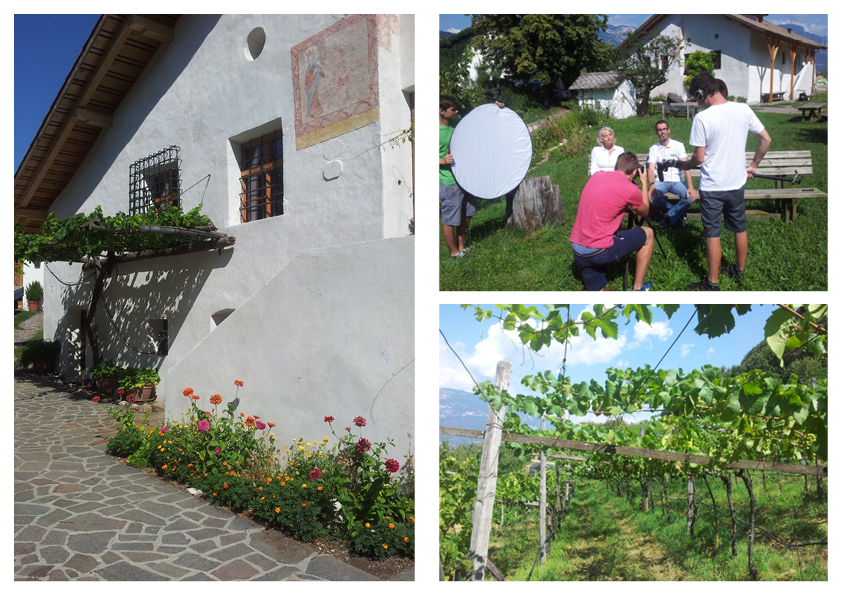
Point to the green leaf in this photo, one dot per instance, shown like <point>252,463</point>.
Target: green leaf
<point>777,331</point>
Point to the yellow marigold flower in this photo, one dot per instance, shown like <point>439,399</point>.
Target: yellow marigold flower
<point>304,505</point>
<point>277,510</point>
<point>406,539</point>
<point>283,483</point>
<point>164,467</point>
<point>385,547</point>
<point>391,525</point>
<point>225,486</point>
<point>303,485</point>
<point>260,489</point>
<point>263,497</point>
<point>269,480</point>
<point>367,525</point>
<point>320,488</point>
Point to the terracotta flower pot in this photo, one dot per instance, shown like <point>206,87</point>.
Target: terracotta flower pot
<point>144,393</point>
<point>34,305</point>
<point>107,385</point>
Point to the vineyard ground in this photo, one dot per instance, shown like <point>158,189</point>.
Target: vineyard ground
<point>605,537</point>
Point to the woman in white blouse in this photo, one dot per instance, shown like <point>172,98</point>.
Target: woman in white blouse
<point>604,156</point>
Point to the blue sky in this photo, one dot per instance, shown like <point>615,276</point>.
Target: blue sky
<point>482,345</point>
<point>46,46</point>
<point>813,23</point>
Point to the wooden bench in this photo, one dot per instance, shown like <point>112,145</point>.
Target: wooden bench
<point>774,163</point>
<point>689,109</point>
<point>776,96</point>
<point>815,110</point>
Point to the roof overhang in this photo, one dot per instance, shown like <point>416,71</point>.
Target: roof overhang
<point>113,58</point>
<point>764,28</point>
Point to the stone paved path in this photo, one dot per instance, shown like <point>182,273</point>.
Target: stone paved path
<point>83,515</point>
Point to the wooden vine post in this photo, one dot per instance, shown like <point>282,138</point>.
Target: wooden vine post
<point>487,483</point>
<point>542,508</point>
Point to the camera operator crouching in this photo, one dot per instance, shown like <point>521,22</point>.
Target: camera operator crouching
<point>595,239</point>
<point>719,134</point>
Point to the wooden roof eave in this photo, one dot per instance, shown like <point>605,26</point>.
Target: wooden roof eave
<point>103,49</point>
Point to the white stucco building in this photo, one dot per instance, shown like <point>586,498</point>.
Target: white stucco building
<point>608,91</point>
<point>746,46</point>
<point>279,126</point>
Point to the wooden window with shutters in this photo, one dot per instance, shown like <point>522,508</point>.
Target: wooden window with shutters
<point>262,177</point>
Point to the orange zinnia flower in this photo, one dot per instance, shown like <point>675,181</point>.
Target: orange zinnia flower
<point>283,483</point>
<point>250,422</point>
<point>270,424</point>
<point>195,397</point>
<point>225,486</point>
<point>216,399</point>
<point>238,382</point>
<point>187,392</point>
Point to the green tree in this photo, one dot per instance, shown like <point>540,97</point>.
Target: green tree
<point>455,56</point>
<point>646,63</point>
<point>542,47</point>
<point>697,63</point>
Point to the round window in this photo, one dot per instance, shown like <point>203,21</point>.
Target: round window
<point>255,42</point>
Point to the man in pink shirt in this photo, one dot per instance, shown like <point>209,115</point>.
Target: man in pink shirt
<point>595,237</point>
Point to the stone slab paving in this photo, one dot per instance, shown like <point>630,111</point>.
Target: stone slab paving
<point>83,515</point>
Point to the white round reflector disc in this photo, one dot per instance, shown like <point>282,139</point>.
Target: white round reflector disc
<point>492,151</point>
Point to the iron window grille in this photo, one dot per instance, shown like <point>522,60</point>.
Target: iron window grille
<point>262,177</point>
<point>155,182</point>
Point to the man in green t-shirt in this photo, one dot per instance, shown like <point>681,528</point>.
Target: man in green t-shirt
<point>457,208</point>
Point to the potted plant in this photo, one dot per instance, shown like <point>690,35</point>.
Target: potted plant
<point>140,382</point>
<point>40,355</point>
<point>34,295</point>
<point>106,375</point>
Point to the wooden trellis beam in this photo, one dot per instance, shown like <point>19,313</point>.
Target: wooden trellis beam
<point>648,453</point>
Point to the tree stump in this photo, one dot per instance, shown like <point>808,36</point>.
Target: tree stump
<point>537,202</point>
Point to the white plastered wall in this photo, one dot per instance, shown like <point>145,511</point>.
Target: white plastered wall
<point>201,93</point>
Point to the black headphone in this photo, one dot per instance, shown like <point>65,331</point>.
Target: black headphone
<point>700,94</point>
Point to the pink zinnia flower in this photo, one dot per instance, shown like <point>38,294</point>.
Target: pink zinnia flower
<point>328,418</point>
<point>218,452</point>
<point>392,466</point>
<point>359,421</point>
<point>164,430</point>
<point>95,399</point>
<point>260,425</point>
<point>204,426</point>
<point>363,445</point>
<point>315,474</point>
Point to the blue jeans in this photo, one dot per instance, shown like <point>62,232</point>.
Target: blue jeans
<point>675,213</point>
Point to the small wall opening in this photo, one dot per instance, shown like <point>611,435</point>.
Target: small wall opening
<point>255,42</point>
<point>159,335</point>
<point>220,316</point>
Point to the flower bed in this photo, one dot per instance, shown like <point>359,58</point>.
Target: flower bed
<point>344,490</point>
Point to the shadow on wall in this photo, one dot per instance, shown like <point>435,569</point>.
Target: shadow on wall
<point>140,301</point>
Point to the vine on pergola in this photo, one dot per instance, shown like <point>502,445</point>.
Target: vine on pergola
<point>100,242</point>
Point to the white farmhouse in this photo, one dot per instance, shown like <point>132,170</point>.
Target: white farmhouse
<point>608,91</point>
<point>279,125</point>
<point>753,57</point>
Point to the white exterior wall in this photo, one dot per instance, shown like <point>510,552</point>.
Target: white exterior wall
<point>620,102</point>
<point>32,273</point>
<point>201,93</point>
<point>745,56</point>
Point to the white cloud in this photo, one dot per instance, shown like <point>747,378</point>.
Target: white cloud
<point>685,348</point>
<point>621,364</point>
<point>645,333</point>
<point>710,352</point>
<point>454,31</point>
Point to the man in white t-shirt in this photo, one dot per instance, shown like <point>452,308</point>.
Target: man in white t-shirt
<point>667,149</point>
<point>719,134</point>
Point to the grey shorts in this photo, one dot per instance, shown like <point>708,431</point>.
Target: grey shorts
<point>729,204</point>
<point>455,204</point>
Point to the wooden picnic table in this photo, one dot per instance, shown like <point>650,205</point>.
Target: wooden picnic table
<point>815,110</point>
<point>689,109</point>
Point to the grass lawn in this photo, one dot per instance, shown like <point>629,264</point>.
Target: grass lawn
<point>782,256</point>
<point>23,316</point>
<point>606,537</point>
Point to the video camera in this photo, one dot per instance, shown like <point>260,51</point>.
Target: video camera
<point>665,165</point>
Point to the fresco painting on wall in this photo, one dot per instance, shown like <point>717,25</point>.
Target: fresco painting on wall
<point>335,80</point>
